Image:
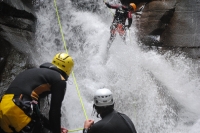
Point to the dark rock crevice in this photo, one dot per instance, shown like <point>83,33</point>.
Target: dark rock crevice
<point>4,52</point>
<point>8,10</point>
<point>154,37</point>
<point>14,18</point>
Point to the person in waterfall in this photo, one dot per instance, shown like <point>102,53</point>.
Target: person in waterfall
<point>19,106</point>
<point>122,13</point>
<point>112,121</point>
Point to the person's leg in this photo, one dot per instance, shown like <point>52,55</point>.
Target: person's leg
<point>122,33</point>
<point>112,35</point>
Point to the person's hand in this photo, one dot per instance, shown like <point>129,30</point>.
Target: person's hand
<point>64,130</point>
<point>88,124</point>
<point>106,3</point>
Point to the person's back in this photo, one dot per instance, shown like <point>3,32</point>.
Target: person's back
<point>34,82</point>
<point>121,14</point>
<point>112,123</point>
<point>19,105</point>
<point>29,85</point>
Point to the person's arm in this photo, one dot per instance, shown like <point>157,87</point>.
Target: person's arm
<point>57,96</point>
<point>111,6</point>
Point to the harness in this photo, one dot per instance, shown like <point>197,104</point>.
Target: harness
<point>31,109</point>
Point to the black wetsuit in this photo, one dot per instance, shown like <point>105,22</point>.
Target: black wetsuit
<point>38,82</point>
<point>121,14</point>
<point>113,122</point>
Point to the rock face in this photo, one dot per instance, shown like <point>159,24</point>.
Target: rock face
<point>168,25</point>
<point>171,25</point>
<point>17,25</point>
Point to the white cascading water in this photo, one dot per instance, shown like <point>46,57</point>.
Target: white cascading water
<point>160,93</point>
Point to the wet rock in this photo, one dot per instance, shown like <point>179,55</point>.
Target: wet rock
<point>165,25</point>
<point>176,22</point>
<point>17,27</point>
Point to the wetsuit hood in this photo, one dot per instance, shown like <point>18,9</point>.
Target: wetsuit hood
<point>53,67</point>
<point>103,110</point>
<point>106,113</point>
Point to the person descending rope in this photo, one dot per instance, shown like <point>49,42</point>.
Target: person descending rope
<point>118,25</point>
<point>19,106</point>
<point>112,121</point>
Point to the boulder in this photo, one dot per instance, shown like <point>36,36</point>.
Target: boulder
<point>170,24</point>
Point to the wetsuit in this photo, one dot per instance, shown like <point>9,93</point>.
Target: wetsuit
<point>33,84</point>
<point>121,14</point>
<point>113,122</point>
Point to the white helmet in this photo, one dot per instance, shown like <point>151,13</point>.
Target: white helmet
<point>103,97</point>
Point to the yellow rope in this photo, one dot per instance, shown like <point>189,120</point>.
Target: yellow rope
<point>59,23</point>
<point>75,130</point>
<point>65,46</point>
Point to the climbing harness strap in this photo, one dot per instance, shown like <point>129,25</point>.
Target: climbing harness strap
<point>31,109</point>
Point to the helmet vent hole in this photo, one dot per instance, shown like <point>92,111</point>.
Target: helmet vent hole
<point>63,65</point>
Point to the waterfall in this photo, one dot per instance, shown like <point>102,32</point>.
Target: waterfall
<point>159,92</point>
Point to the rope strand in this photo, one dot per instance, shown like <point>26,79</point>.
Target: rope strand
<point>65,47</point>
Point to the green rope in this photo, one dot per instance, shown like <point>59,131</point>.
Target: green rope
<point>65,46</point>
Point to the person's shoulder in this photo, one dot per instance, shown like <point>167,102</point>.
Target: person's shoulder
<point>120,113</point>
<point>30,70</point>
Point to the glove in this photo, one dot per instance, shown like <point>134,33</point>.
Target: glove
<point>106,3</point>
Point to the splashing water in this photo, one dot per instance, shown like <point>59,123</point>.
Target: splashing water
<point>160,93</point>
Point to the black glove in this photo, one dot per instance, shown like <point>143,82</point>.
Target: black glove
<point>107,4</point>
